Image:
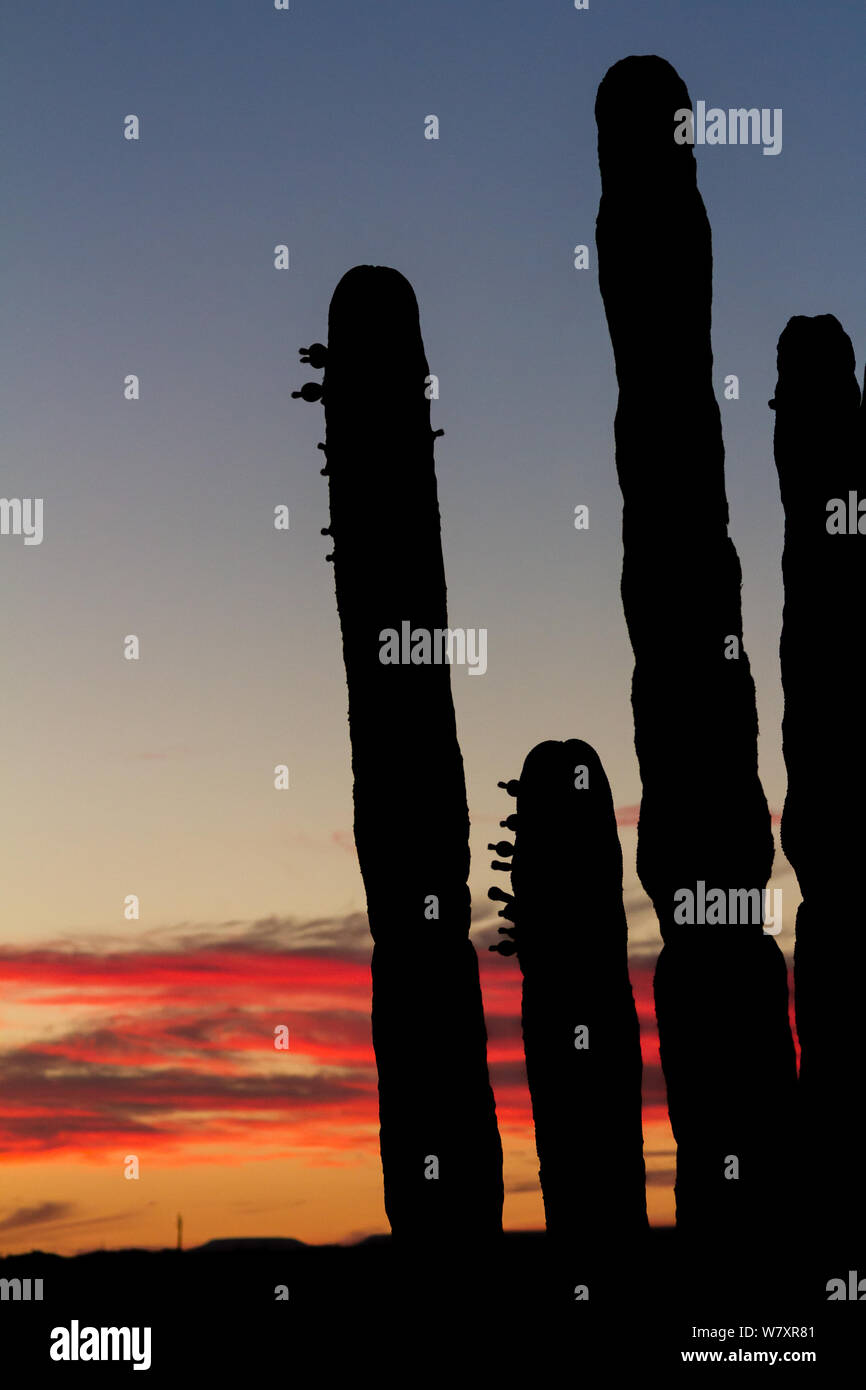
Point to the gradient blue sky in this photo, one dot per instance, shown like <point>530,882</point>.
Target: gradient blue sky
<point>307,127</point>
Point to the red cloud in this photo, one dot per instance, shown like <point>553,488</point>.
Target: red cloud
<point>169,1048</point>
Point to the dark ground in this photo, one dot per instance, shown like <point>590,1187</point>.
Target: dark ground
<point>366,1312</point>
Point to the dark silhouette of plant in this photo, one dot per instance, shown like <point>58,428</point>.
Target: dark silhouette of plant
<point>580,1027</point>
<point>441,1154</point>
<point>721,990</point>
<point>704,831</point>
<point>819,448</point>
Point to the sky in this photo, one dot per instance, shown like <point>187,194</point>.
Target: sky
<point>154,777</point>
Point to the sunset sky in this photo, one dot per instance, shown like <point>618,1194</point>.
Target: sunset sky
<point>155,1037</point>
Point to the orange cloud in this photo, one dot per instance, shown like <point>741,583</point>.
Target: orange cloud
<point>165,1046</point>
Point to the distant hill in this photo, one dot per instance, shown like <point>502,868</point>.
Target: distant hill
<point>250,1243</point>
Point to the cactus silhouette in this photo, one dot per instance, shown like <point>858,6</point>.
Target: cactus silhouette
<point>721,990</point>
<point>819,448</point>
<point>441,1153</point>
<point>704,834</point>
<point>580,1027</point>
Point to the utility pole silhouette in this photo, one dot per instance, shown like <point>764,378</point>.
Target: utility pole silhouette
<point>179,1231</point>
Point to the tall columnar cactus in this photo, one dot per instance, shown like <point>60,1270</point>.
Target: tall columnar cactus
<point>441,1154</point>
<point>819,447</point>
<point>721,990</point>
<point>580,1027</point>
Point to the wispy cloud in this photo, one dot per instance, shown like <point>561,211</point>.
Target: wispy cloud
<point>165,1043</point>
<point>45,1212</point>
